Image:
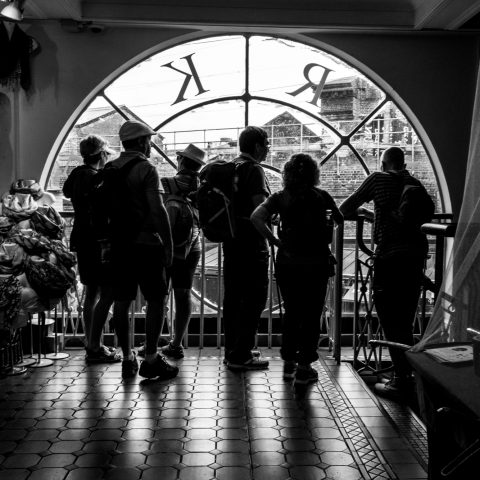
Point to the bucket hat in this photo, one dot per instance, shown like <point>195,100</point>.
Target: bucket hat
<point>193,153</point>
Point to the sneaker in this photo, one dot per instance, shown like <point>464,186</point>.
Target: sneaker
<point>395,389</point>
<point>130,367</point>
<point>305,375</point>
<point>289,369</point>
<point>159,368</point>
<point>171,351</point>
<point>103,355</point>
<point>254,363</point>
<point>255,353</point>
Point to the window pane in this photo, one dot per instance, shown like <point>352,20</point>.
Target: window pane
<point>295,73</point>
<point>388,128</point>
<point>214,128</point>
<point>181,77</point>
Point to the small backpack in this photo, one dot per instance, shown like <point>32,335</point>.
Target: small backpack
<point>415,206</point>
<point>109,201</point>
<point>182,233</point>
<point>215,200</point>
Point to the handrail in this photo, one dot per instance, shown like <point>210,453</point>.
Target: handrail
<point>439,229</point>
<point>363,215</point>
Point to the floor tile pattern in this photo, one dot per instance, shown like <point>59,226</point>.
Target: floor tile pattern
<point>372,461</point>
<point>71,421</point>
<point>410,427</point>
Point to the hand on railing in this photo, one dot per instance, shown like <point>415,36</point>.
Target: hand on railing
<point>365,213</point>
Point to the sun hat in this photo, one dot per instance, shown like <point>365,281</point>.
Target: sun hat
<point>193,153</point>
<point>94,144</point>
<point>132,129</point>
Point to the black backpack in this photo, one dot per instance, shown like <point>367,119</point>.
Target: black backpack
<point>215,200</point>
<point>415,206</point>
<point>109,201</point>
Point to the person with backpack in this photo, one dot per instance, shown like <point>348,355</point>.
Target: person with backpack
<point>183,214</point>
<point>94,275</point>
<point>245,255</point>
<point>401,206</point>
<point>138,234</point>
<point>303,261</point>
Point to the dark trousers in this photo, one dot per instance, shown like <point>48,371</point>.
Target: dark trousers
<point>245,275</point>
<point>396,288</point>
<point>303,289</point>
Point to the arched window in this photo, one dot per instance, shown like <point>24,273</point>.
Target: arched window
<point>206,91</point>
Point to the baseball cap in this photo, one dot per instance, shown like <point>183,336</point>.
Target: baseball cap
<point>132,129</point>
<point>94,144</point>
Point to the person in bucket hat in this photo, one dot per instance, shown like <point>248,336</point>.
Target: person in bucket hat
<point>184,222</point>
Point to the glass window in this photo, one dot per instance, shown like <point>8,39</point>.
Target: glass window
<point>206,91</point>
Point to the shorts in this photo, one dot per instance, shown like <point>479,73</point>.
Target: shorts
<point>90,269</point>
<point>182,271</point>
<point>136,266</point>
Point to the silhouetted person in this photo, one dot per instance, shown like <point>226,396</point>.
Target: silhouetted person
<point>246,256</point>
<point>94,275</point>
<point>399,260</point>
<point>303,262</point>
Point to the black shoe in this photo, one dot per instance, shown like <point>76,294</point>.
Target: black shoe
<point>130,367</point>
<point>255,353</point>
<point>395,389</point>
<point>305,375</point>
<point>289,369</point>
<point>171,351</point>
<point>254,363</point>
<point>159,368</point>
<point>103,355</point>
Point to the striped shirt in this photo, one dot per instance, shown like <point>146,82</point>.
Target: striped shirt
<point>385,189</point>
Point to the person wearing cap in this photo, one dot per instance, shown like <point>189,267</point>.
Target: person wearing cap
<point>140,256</point>
<point>93,274</point>
<point>184,222</point>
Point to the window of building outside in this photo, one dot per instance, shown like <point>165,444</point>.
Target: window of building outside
<point>206,91</point>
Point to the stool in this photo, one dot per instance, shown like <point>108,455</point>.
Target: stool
<point>56,355</point>
<point>14,347</point>
<point>41,321</point>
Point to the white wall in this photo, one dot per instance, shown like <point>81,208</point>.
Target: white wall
<point>433,75</point>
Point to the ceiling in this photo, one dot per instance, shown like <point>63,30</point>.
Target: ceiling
<point>324,15</point>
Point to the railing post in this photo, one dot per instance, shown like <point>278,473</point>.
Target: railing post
<point>337,294</point>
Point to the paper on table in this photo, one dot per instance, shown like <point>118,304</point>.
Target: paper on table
<point>453,354</point>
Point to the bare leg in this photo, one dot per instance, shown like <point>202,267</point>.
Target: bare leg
<point>100,314</point>
<point>183,309</point>
<point>91,296</point>
<point>122,326</point>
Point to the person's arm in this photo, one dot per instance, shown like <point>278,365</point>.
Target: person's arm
<point>261,220</point>
<point>363,195</point>
<point>159,213</point>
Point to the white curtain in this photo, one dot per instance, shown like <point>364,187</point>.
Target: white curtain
<point>458,304</point>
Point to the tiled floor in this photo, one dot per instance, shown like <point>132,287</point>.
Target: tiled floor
<point>71,421</point>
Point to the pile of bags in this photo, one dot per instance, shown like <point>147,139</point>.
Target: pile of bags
<point>36,267</point>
